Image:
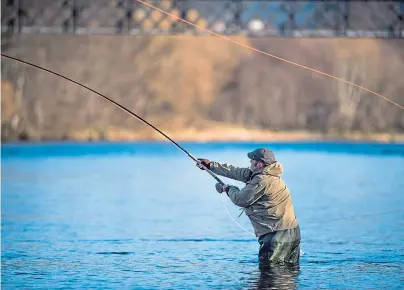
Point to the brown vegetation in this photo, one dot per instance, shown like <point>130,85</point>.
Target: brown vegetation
<point>201,88</point>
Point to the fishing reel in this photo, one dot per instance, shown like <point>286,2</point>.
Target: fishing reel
<point>219,188</point>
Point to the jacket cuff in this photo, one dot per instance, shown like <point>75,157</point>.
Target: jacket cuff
<point>212,165</point>
<point>228,189</point>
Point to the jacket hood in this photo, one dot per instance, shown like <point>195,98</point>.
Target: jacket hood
<point>274,169</point>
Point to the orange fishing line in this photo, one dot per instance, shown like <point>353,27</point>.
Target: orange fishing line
<point>268,54</point>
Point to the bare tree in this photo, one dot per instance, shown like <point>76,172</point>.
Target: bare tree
<point>356,64</point>
<point>349,96</point>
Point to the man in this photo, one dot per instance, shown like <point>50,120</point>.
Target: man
<point>267,202</point>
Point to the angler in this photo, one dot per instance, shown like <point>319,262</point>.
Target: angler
<point>267,203</point>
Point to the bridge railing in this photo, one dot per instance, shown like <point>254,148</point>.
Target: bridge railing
<point>231,17</point>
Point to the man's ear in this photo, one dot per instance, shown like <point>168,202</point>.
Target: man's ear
<point>260,165</point>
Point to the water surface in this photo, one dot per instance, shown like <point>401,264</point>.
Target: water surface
<point>142,216</point>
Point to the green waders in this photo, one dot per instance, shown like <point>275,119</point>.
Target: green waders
<point>281,247</point>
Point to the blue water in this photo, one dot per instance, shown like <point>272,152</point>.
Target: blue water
<point>142,216</point>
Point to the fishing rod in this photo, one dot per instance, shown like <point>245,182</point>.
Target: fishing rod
<point>125,110</point>
<point>220,183</point>
<point>147,123</point>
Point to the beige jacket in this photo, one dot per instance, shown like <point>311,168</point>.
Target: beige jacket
<point>266,198</point>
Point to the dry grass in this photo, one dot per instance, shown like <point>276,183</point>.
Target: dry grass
<point>201,88</point>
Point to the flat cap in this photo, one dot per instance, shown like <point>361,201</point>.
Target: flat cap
<point>263,155</point>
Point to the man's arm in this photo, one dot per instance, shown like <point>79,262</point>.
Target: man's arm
<point>248,194</point>
<point>230,171</point>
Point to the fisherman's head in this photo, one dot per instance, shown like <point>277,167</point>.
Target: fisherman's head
<point>261,157</point>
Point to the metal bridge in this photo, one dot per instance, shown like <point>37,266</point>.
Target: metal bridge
<point>257,18</point>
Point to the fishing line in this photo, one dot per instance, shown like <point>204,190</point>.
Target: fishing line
<point>162,133</point>
<point>359,216</point>
<point>268,54</point>
<point>138,117</point>
<point>240,226</point>
<point>222,37</point>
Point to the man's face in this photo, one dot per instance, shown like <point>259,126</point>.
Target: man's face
<point>255,164</point>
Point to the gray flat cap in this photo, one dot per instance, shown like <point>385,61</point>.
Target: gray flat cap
<point>263,155</point>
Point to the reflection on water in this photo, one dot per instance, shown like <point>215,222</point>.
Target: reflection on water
<point>277,277</point>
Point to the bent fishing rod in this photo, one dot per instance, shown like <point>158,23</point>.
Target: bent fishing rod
<point>122,108</point>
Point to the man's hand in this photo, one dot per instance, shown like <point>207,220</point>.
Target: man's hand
<point>205,162</point>
<point>221,188</point>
